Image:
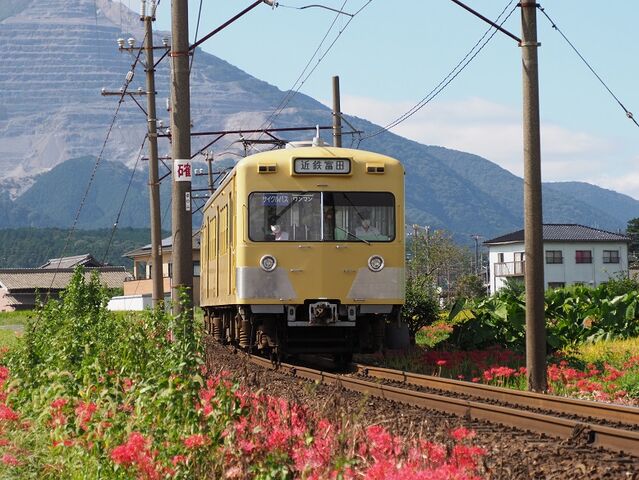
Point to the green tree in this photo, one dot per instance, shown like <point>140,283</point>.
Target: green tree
<point>439,259</point>
<point>632,230</point>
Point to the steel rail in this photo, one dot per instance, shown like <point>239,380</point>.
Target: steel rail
<point>616,439</point>
<point>571,406</point>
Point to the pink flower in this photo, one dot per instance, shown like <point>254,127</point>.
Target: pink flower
<point>10,460</point>
<point>441,363</point>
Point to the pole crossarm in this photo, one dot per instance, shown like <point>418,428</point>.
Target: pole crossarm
<point>225,24</point>
<point>488,21</point>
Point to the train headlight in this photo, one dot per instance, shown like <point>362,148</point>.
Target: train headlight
<point>376,263</point>
<point>268,263</point>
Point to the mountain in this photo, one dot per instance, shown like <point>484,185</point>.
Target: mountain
<point>59,54</point>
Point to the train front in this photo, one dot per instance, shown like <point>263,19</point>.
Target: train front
<point>322,265</point>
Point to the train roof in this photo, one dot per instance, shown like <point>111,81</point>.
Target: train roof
<point>284,156</point>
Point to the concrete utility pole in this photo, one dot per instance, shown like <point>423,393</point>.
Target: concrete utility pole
<point>154,184</point>
<point>337,114</point>
<point>476,237</point>
<point>182,230</point>
<point>533,228</point>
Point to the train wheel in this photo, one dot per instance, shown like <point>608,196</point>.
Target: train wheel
<point>343,359</point>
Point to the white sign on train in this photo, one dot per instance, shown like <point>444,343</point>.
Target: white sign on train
<point>324,166</point>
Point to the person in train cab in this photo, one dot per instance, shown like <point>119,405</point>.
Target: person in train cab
<point>278,233</point>
<point>329,224</point>
<point>366,231</point>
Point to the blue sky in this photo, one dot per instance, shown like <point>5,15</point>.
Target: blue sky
<point>391,54</point>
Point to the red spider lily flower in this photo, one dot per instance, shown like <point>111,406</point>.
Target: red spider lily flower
<point>58,403</point>
<point>84,412</point>
<point>136,452</point>
<point>127,383</point>
<point>177,459</point>
<point>441,363</point>
<point>4,374</point>
<point>462,433</point>
<point>196,440</point>
<point>10,460</point>
<point>6,413</point>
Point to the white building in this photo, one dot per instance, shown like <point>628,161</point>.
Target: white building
<point>573,254</point>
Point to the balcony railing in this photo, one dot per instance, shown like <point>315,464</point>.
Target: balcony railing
<point>510,269</point>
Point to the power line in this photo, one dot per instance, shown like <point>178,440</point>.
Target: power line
<point>197,29</point>
<point>126,193</point>
<point>554,25</point>
<point>294,90</point>
<point>461,65</point>
<point>127,82</point>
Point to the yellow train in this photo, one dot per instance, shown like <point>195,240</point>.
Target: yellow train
<point>302,250</point>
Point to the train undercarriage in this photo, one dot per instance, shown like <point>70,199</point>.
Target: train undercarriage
<point>315,327</point>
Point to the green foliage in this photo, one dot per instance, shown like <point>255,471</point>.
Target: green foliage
<point>140,370</point>
<point>421,307</point>
<point>574,315</point>
<point>497,320</point>
<point>32,247</point>
<point>620,285</point>
<point>632,230</point>
<point>471,287</point>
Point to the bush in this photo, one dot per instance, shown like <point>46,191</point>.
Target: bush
<point>422,306</point>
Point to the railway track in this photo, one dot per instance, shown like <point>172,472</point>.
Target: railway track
<point>623,437</point>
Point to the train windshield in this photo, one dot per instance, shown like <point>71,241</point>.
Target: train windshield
<point>322,216</point>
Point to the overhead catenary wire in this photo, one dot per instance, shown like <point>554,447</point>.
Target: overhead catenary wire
<point>555,27</point>
<point>126,193</point>
<point>297,85</point>
<point>197,29</point>
<point>461,65</point>
<point>123,92</point>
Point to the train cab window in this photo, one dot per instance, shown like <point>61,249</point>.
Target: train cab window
<point>321,216</point>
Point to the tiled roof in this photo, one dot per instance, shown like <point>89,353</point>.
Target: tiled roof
<point>14,279</point>
<point>561,232</point>
<point>71,262</point>
<point>167,245</point>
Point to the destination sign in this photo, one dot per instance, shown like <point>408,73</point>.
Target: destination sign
<point>322,166</point>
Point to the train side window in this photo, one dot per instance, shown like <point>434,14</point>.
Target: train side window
<point>223,230</point>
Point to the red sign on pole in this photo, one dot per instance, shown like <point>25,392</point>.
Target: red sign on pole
<point>182,171</point>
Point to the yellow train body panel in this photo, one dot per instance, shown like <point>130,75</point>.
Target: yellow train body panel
<point>322,197</point>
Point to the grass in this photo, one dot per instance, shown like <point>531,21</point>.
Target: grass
<point>9,339</point>
<point>15,318</point>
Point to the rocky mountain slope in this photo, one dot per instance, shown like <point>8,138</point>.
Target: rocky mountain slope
<point>58,54</point>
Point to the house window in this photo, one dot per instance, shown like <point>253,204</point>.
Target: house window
<point>196,268</point>
<point>554,256</point>
<point>519,256</point>
<point>170,265</point>
<point>500,258</point>
<point>611,256</point>
<point>583,256</point>
<point>141,271</point>
<point>556,284</point>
